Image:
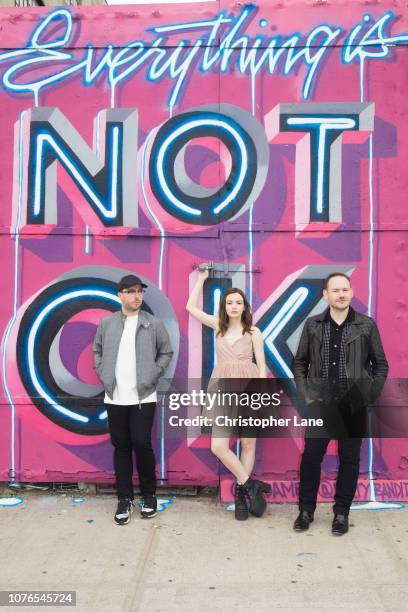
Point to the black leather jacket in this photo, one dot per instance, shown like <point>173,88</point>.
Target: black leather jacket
<point>366,364</point>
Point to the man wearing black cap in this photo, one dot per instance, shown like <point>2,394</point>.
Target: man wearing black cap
<point>131,351</point>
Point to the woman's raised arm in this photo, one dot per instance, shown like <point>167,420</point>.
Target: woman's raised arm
<point>191,306</point>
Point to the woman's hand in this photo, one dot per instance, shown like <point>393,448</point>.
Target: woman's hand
<point>203,272</point>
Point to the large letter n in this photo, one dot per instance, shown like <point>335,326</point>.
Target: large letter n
<point>108,186</point>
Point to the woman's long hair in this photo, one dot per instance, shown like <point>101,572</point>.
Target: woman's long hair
<point>223,318</point>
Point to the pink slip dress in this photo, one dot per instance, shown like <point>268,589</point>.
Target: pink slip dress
<point>230,375</point>
<point>234,360</point>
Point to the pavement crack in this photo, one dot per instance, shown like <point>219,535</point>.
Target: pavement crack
<point>145,556</point>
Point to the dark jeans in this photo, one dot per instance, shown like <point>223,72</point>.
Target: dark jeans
<point>347,477</point>
<point>130,429</point>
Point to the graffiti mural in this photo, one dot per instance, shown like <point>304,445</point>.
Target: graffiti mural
<point>269,140</point>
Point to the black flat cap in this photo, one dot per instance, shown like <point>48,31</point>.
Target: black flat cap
<point>129,281</point>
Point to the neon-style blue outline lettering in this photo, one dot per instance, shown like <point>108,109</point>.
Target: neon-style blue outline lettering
<point>207,62</point>
<point>91,74</point>
<point>34,46</point>
<point>216,298</point>
<point>31,341</point>
<point>315,59</point>
<point>192,25</point>
<point>114,159</point>
<point>366,40</point>
<point>87,240</point>
<point>120,60</point>
<point>190,125</point>
<point>170,67</point>
<point>323,125</point>
<point>34,41</point>
<point>374,37</point>
<point>279,321</point>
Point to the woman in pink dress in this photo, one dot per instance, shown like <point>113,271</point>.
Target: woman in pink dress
<point>237,340</point>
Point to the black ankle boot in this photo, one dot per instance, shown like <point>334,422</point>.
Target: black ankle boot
<point>254,490</point>
<point>241,506</point>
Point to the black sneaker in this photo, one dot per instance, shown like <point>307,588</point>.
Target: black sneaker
<point>149,506</point>
<point>124,511</point>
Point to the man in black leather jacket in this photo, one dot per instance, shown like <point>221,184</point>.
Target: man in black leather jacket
<point>339,368</point>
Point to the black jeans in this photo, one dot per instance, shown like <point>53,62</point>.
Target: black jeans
<point>130,429</point>
<point>347,477</point>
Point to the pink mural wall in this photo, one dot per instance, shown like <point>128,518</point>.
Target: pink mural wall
<point>267,138</point>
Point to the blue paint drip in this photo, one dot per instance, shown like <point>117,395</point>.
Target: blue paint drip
<point>10,502</point>
<point>162,458</point>
<point>153,216</point>
<point>15,298</point>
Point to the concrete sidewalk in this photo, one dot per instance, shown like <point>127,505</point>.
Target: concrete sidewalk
<point>195,556</point>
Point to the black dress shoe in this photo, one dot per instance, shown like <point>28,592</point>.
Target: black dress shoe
<point>303,520</point>
<point>340,524</point>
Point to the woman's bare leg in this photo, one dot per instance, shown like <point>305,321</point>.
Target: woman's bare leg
<point>247,458</point>
<point>220,448</point>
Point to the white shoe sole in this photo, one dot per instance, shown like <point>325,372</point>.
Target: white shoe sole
<point>147,516</point>
<point>127,521</point>
<point>124,523</point>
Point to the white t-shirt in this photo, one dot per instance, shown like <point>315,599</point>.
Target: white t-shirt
<point>125,392</point>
